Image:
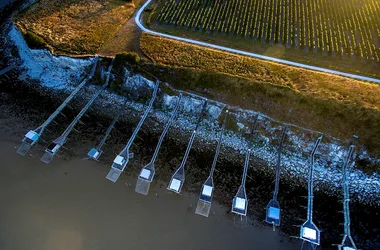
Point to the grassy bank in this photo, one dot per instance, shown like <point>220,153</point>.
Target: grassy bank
<point>75,27</point>
<point>334,105</point>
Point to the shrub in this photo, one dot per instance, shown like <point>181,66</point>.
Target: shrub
<point>126,58</point>
<point>143,60</point>
<point>34,41</point>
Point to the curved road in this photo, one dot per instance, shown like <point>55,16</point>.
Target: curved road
<point>245,53</point>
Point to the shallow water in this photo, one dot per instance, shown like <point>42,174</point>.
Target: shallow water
<point>70,205</point>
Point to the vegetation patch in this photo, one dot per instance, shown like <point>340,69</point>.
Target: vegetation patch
<point>75,27</point>
<point>331,104</point>
<point>126,58</point>
<point>34,41</point>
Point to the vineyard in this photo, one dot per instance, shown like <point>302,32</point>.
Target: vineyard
<point>337,28</point>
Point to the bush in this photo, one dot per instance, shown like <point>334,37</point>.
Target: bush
<point>126,58</point>
<point>34,41</point>
<point>143,60</point>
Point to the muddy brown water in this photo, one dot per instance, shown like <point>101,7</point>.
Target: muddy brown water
<point>69,204</point>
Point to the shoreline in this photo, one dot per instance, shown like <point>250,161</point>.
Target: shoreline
<point>227,178</point>
<point>49,71</point>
